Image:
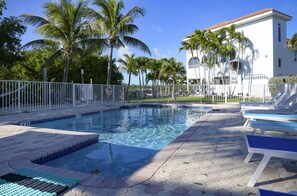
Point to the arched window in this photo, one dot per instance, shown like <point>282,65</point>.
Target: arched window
<point>193,62</point>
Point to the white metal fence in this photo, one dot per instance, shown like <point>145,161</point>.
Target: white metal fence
<point>26,96</point>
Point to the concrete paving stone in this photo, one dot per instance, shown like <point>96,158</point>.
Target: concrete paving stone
<point>214,153</point>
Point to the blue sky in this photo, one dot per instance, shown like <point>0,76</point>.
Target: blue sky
<point>166,22</point>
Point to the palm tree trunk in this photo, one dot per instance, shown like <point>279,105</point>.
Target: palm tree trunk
<point>66,68</point>
<point>109,66</point>
<point>127,94</point>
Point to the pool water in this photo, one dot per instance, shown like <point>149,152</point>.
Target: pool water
<point>129,137</point>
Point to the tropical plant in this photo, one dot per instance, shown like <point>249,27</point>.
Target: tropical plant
<point>64,28</point>
<point>172,70</point>
<point>11,30</point>
<point>117,27</point>
<point>129,65</point>
<point>190,45</point>
<point>154,67</point>
<point>142,67</point>
<point>293,42</point>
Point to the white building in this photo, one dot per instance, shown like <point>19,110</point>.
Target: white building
<point>268,57</point>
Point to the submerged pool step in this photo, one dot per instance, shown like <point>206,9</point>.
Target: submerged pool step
<point>28,182</point>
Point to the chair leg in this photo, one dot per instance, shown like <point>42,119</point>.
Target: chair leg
<point>247,122</point>
<point>254,131</point>
<point>248,157</point>
<point>259,170</point>
<point>262,131</point>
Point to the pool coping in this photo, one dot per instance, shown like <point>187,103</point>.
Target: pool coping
<point>91,180</point>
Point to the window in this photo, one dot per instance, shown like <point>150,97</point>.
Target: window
<point>279,62</point>
<point>279,33</point>
<point>223,59</point>
<point>193,62</point>
<point>295,56</point>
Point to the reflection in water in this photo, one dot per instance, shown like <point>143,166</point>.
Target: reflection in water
<point>128,139</point>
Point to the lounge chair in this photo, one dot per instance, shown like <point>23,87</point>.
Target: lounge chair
<point>268,117</point>
<point>271,147</point>
<point>269,102</point>
<point>285,103</point>
<point>262,192</point>
<point>288,127</point>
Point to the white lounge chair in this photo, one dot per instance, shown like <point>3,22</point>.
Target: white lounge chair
<point>285,102</point>
<point>288,127</point>
<point>268,117</point>
<point>269,102</point>
<point>270,147</point>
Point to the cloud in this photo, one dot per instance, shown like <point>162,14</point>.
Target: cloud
<point>158,54</point>
<point>158,29</point>
<point>121,51</point>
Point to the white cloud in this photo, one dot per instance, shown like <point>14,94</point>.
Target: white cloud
<point>158,54</point>
<point>121,51</point>
<point>158,29</point>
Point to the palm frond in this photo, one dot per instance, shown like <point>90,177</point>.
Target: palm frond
<point>137,43</point>
<point>53,57</point>
<point>41,44</point>
<point>34,20</point>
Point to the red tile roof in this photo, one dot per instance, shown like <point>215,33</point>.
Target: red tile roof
<point>246,17</point>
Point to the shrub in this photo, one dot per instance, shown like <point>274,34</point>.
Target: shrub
<point>276,81</point>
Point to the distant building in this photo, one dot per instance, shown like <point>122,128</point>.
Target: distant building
<point>268,57</point>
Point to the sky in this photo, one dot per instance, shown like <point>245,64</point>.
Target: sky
<point>167,22</point>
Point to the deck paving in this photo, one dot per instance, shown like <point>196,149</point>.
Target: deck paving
<point>210,162</point>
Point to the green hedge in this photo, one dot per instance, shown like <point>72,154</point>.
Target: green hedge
<point>276,81</point>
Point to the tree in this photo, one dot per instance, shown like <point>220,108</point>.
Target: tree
<point>154,67</point>
<point>142,66</point>
<point>130,66</point>
<point>293,42</point>
<point>172,70</point>
<point>191,46</point>
<point>64,28</point>
<point>2,6</point>
<point>117,27</point>
<point>11,30</point>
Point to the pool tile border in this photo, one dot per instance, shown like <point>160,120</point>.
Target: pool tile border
<point>141,175</point>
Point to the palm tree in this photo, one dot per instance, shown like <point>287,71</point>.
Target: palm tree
<point>172,70</point>
<point>117,27</point>
<point>191,46</point>
<point>293,42</point>
<point>64,28</point>
<point>154,67</point>
<point>130,66</point>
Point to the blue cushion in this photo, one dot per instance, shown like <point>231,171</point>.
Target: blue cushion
<point>274,124</point>
<point>272,193</point>
<point>272,143</point>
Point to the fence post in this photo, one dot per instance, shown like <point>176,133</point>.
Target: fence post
<point>73,94</point>
<point>225,93</point>
<point>123,93</point>
<point>19,96</point>
<point>113,94</point>
<point>101,93</point>
<point>87,93</point>
<point>49,96</point>
<point>264,92</point>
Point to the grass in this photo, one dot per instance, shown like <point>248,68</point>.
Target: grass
<point>197,99</point>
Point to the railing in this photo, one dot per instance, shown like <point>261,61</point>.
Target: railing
<point>26,96</point>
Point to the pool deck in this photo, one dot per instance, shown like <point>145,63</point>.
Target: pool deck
<point>206,160</point>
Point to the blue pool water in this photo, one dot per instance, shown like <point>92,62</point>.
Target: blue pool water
<point>129,137</point>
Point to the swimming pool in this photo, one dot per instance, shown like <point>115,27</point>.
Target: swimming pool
<point>129,137</point>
